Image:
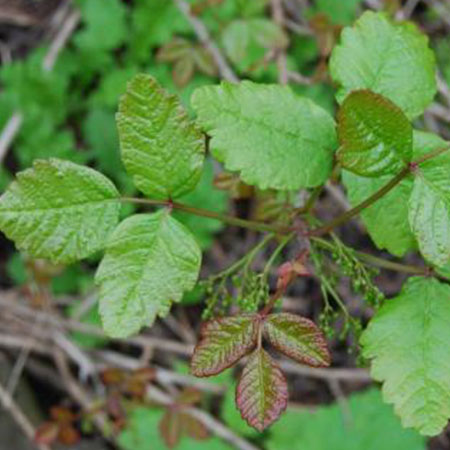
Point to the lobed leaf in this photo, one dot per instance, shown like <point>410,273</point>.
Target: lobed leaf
<point>408,341</point>
<point>222,343</point>
<point>376,137</point>
<point>389,58</point>
<point>161,147</point>
<point>298,338</point>
<point>150,261</point>
<point>274,138</point>
<point>59,211</point>
<point>262,393</point>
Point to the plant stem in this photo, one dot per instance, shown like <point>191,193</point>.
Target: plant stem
<point>378,262</point>
<point>282,229</point>
<point>275,254</point>
<point>230,220</point>
<point>325,229</point>
<point>345,217</point>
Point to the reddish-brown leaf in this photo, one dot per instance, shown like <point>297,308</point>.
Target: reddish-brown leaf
<point>288,271</point>
<point>298,338</point>
<point>62,415</point>
<point>193,427</point>
<point>114,406</point>
<point>46,433</point>
<point>183,70</point>
<point>262,393</point>
<point>145,374</point>
<point>112,376</point>
<point>68,435</point>
<point>170,428</point>
<point>222,343</point>
<point>134,387</point>
<point>189,396</point>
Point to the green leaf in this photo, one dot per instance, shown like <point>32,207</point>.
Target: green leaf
<point>286,147</point>
<point>376,138</point>
<point>429,205</point>
<point>387,219</point>
<point>150,261</point>
<point>40,139</point>
<point>161,148</point>
<point>222,343</point>
<point>370,425</point>
<point>59,210</point>
<point>104,25</point>
<point>340,13</point>
<point>206,196</point>
<point>409,341</point>
<point>429,217</point>
<point>246,42</point>
<point>100,134</point>
<point>298,338</point>
<point>154,22</point>
<point>112,85</point>
<point>5,178</point>
<point>262,393</point>
<point>34,91</point>
<point>392,59</point>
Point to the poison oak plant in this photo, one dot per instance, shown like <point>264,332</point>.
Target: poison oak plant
<point>397,179</point>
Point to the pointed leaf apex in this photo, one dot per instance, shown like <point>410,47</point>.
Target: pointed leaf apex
<point>298,338</point>
<point>262,392</point>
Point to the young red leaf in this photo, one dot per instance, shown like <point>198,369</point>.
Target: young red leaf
<point>262,393</point>
<point>222,343</point>
<point>68,435</point>
<point>189,396</point>
<point>112,376</point>
<point>62,415</point>
<point>144,375</point>
<point>46,433</point>
<point>298,338</point>
<point>170,428</point>
<point>193,427</point>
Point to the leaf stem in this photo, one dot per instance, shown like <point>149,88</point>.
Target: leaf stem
<point>382,263</point>
<point>430,155</point>
<point>230,220</point>
<point>345,217</point>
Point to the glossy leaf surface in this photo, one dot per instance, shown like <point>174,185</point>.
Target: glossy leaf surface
<point>59,211</point>
<point>262,393</point>
<point>161,147</point>
<point>222,343</point>
<point>272,147</point>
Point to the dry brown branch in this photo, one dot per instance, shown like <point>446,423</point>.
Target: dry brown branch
<point>19,417</point>
<point>216,427</point>
<point>226,72</point>
<point>14,124</point>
